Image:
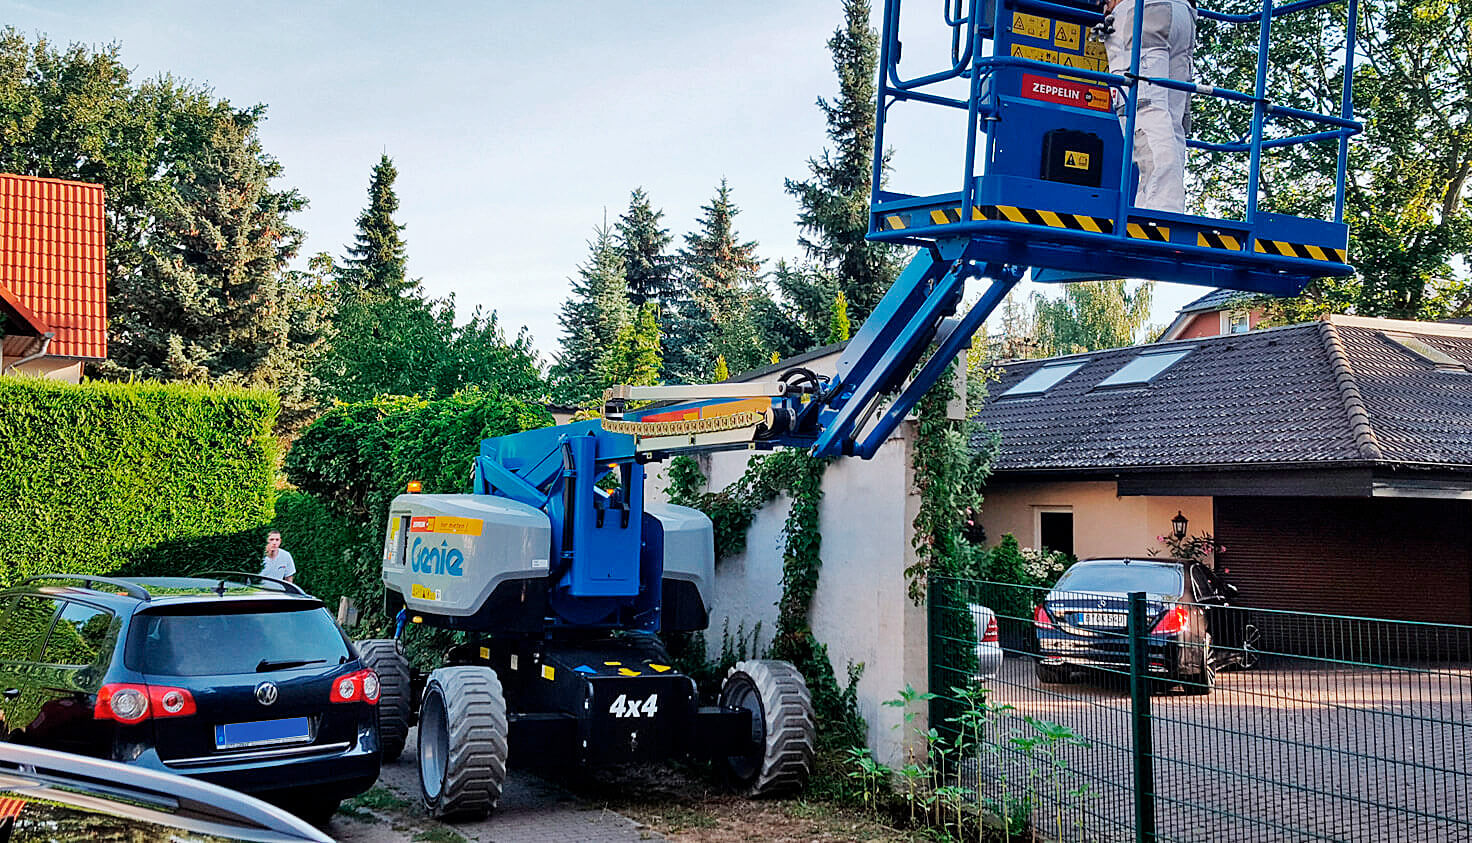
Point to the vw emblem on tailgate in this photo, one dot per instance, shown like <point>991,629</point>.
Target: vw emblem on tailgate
<point>266,693</point>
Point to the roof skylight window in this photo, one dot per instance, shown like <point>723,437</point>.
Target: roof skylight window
<point>1145,368</point>
<point>1428,352</point>
<point>1044,378</point>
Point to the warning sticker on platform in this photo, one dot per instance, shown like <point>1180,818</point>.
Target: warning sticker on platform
<point>446,524</point>
<point>1065,37</point>
<point>1076,160</point>
<point>1058,91</point>
<point>1084,62</point>
<point>1032,25</point>
<point>1035,53</point>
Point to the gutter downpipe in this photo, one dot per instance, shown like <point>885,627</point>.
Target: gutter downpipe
<point>45,344</point>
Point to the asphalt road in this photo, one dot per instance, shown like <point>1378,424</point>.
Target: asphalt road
<point>531,810</point>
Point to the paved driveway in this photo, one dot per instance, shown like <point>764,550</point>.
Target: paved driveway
<point>532,810</point>
<point>1290,754</point>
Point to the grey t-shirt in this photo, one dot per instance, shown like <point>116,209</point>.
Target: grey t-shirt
<point>280,568</point>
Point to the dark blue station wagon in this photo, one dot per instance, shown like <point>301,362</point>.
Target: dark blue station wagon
<point>231,678</point>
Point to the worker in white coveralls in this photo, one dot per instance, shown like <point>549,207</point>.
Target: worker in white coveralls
<point>1167,48</point>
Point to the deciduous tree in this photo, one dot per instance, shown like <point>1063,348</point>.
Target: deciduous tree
<point>1406,197</point>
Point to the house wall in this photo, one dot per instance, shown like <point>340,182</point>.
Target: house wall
<point>861,611</point>
<point>1214,323</point>
<point>67,369</point>
<point>1104,523</point>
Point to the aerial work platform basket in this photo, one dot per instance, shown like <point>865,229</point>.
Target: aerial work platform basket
<point>1048,182</point>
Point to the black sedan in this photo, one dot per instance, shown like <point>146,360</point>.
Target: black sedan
<point>1194,630</point>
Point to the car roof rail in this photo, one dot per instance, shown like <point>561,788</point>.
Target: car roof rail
<point>131,588</point>
<point>286,587</point>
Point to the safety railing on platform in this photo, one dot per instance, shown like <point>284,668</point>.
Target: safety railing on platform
<point>1137,717</point>
<point>974,23</point>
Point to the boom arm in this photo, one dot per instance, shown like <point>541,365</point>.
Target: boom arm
<point>838,416</point>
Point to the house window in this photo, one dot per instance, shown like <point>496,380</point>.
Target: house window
<point>1055,529</point>
<point>1238,322</point>
<point>1044,378</point>
<point>1145,367</point>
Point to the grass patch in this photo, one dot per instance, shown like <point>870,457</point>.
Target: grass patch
<point>378,799</point>
<point>438,835</point>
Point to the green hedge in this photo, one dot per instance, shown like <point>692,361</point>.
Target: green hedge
<point>355,458</point>
<point>143,478</point>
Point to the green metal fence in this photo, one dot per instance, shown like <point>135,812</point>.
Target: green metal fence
<point>1280,726</point>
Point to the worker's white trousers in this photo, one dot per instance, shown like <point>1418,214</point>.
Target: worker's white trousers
<point>1167,44</point>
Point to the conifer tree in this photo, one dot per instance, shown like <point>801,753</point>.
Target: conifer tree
<point>648,267</point>
<point>221,307</point>
<point>835,199</point>
<point>377,259</point>
<point>722,371</point>
<point>838,326</point>
<point>721,291</point>
<point>591,319</point>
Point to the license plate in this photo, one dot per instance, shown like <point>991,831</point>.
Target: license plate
<point>262,733</point>
<point>1099,618</point>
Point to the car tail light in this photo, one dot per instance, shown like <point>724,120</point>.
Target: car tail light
<point>358,686</point>
<point>128,703</point>
<point>170,702</point>
<point>123,703</point>
<point>990,635</point>
<point>1041,618</point>
<point>1172,621</point>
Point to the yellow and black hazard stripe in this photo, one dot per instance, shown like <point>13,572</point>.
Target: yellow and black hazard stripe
<point>1052,219</point>
<point>1001,213</point>
<point>1309,251</point>
<point>1218,240</point>
<point>1148,231</point>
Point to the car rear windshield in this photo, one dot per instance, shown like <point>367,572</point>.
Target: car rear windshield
<point>1149,577</point>
<point>216,642</point>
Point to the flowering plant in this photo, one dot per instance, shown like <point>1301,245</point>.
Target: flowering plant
<point>1198,548</point>
<point>1042,566</point>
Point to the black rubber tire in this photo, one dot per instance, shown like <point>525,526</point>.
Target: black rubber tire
<point>1202,683</point>
<point>784,730</point>
<point>462,742</point>
<point>382,655</point>
<point>1050,675</point>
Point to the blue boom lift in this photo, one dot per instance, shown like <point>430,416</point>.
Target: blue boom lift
<point>564,576</point>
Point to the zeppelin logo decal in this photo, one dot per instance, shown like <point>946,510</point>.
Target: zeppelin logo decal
<point>1048,89</point>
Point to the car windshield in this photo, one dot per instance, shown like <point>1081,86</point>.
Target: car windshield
<point>234,642</point>
<point>1121,577</point>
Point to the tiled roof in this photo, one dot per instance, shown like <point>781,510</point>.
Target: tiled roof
<point>1337,390</point>
<point>1215,300</point>
<point>53,258</point>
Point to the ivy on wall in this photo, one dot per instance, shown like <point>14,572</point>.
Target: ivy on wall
<point>731,510</point>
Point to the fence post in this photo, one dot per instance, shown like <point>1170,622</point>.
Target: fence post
<point>1144,748</point>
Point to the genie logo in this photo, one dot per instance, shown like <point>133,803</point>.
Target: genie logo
<point>443,560</point>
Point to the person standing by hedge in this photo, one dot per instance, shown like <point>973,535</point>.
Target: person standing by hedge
<point>277,563</point>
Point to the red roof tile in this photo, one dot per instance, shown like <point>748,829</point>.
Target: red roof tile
<point>54,259</point>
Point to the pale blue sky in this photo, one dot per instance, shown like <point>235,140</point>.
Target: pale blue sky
<point>514,125</point>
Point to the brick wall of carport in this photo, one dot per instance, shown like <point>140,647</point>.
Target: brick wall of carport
<point>1402,558</point>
